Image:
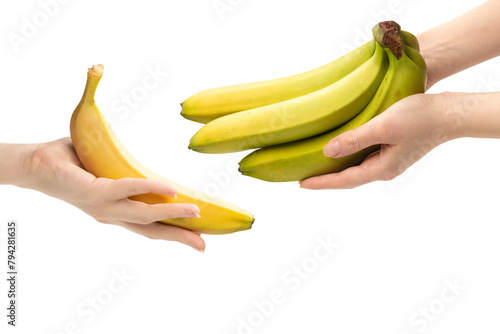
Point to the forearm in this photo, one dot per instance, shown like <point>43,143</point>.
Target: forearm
<point>463,42</point>
<point>13,161</point>
<point>470,114</point>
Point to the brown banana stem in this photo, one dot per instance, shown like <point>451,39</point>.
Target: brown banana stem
<point>388,34</point>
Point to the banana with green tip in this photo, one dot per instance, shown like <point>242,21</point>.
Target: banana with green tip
<point>410,40</point>
<point>295,119</point>
<point>213,103</point>
<point>417,58</point>
<point>216,102</point>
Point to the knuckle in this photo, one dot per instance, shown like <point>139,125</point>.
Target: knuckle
<point>352,143</point>
<point>144,214</point>
<point>380,128</point>
<point>383,128</point>
<point>125,186</point>
<point>143,219</point>
<point>133,187</point>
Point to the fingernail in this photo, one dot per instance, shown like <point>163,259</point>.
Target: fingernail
<point>194,215</point>
<point>332,149</point>
<point>199,250</point>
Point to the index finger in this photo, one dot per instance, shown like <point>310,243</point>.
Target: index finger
<point>127,187</point>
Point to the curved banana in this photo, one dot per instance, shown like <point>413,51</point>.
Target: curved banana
<point>216,102</point>
<point>103,155</point>
<point>417,58</point>
<point>410,40</point>
<point>302,159</point>
<point>295,119</point>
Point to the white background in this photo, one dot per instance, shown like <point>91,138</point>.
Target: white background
<point>400,242</point>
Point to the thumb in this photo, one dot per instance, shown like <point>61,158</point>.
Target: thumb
<point>354,140</point>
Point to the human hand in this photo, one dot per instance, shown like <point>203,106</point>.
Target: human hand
<point>55,169</point>
<point>406,131</point>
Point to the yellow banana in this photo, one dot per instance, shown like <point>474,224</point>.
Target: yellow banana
<point>216,102</point>
<point>302,159</point>
<point>103,155</point>
<point>295,119</point>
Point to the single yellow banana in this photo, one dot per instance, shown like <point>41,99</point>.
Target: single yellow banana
<point>302,159</point>
<point>103,155</point>
<point>295,119</point>
<point>216,102</point>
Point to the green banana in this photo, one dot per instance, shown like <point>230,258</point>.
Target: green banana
<point>298,118</point>
<point>216,102</point>
<point>410,43</point>
<point>417,58</point>
<point>305,158</point>
<point>410,40</point>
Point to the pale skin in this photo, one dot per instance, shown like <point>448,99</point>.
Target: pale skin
<point>415,125</point>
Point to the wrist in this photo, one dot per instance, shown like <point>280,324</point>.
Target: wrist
<point>431,52</point>
<point>440,119</point>
<point>15,164</point>
<point>469,114</point>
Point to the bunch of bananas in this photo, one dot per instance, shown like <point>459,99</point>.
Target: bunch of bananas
<point>290,120</point>
<point>103,155</point>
